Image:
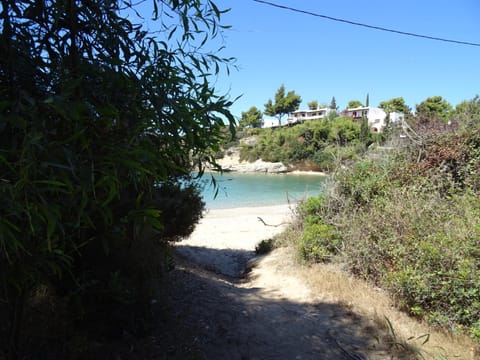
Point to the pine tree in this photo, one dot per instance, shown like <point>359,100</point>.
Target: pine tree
<point>364,131</point>
<point>333,104</point>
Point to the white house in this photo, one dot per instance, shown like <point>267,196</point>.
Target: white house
<point>303,115</point>
<point>269,122</point>
<point>376,117</point>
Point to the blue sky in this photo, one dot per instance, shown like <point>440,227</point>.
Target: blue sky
<point>319,58</point>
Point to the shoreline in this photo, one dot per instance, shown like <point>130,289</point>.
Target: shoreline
<point>227,213</point>
<point>292,172</point>
<point>249,208</point>
<point>305,172</point>
<point>225,239</point>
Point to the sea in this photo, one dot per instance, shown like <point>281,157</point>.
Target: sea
<point>245,190</point>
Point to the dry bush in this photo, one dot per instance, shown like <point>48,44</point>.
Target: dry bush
<point>410,225</point>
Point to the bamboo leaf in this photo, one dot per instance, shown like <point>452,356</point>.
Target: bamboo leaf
<point>51,224</point>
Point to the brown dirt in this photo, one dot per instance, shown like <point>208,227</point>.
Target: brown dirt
<point>270,314</point>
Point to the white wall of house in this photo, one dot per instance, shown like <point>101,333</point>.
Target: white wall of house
<point>375,116</point>
<point>357,113</point>
<point>376,119</point>
<point>304,115</point>
<point>269,122</point>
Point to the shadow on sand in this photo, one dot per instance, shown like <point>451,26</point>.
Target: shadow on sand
<point>228,262</point>
<point>203,315</point>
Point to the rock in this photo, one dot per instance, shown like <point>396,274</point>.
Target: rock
<point>250,141</point>
<point>258,166</point>
<point>231,161</point>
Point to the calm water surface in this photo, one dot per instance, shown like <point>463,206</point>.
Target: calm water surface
<point>239,190</point>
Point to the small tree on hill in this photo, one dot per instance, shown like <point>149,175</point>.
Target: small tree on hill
<point>251,118</point>
<point>434,108</point>
<point>284,104</point>
<point>364,131</point>
<point>432,116</point>
<point>313,105</point>
<point>395,105</point>
<point>467,113</point>
<point>333,104</point>
<point>354,104</point>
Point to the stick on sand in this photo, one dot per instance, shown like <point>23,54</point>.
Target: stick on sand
<point>264,223</point>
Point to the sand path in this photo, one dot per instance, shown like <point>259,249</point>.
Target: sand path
<point>213,311</point>
<point>224,240</point>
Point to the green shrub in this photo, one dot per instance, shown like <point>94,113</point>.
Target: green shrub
<point>475,330</point>
<point>312,206</point>
<point>364,181</point>
<point>319,241</point>
<point>325,160</point>
<point>248,153</point>
<point>422,248</point>
<point>264,246</point>
<point>343,131</point>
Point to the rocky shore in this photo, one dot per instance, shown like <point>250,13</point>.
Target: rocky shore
<point>258,166</point>
<point>231,162</point>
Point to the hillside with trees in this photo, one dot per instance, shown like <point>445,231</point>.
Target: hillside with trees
<point>313,145</point>
<point>318,145</point>
<point>336,139</point>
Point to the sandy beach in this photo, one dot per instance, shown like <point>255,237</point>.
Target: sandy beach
<point>225,239</point>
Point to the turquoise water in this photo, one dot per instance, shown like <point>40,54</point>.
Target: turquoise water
<point>239,190</point>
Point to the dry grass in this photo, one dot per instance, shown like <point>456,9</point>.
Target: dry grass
<point>332,284</point>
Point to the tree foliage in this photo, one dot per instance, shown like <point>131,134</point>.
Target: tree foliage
<point>284,104</point>
<point>467,113</point>
<point>333,104</point>
<point>98,118</point>
<point>364,131</point>
<point>312,105</point>
<point>434,108</point>
<point>316,142</point>
<point>395,105</point>
<point>344,131</point>
<point>251,118</point>
<point>354,104</point>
